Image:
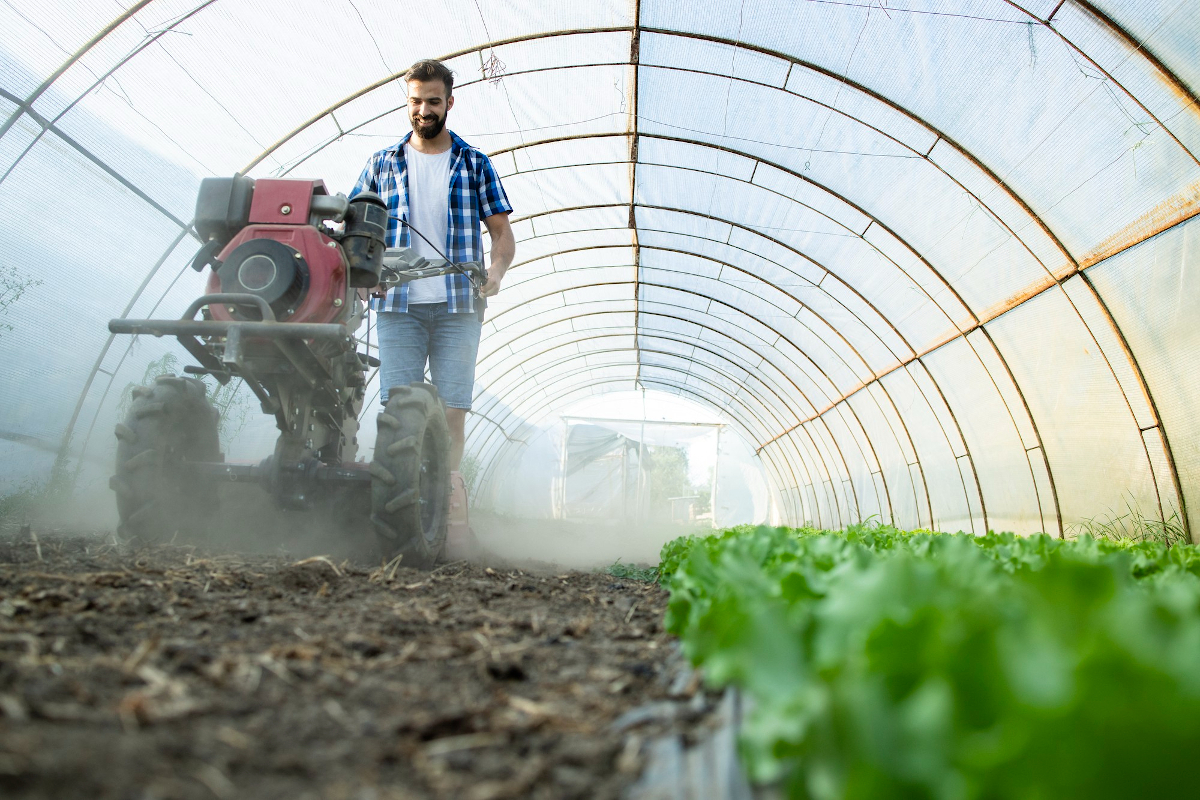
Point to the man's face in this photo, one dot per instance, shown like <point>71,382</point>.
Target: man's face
<point>427,107</point>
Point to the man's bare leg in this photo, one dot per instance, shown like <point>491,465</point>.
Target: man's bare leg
<point>456,418</point>
<point>460,541</point>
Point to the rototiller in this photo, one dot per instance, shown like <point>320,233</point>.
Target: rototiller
<point>290,265</point>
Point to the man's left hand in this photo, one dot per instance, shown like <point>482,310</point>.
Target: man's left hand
<point>504,246</point>
<point>491,288</point>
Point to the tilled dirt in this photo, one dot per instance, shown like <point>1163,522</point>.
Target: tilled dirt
<point>169,672</point>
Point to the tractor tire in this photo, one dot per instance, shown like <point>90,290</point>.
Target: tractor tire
<point>410,476</point>
<point>168,423</point>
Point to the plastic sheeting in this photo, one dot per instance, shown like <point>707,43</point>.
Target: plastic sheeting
<point>929,258</point>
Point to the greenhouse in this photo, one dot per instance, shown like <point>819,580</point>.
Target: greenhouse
<point>875,266</point>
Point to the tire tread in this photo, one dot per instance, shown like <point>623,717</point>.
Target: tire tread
<point>396,469</point>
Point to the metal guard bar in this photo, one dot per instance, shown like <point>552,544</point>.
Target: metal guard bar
<point>284,335</point>
<point>188,325</point>
<point>212,327</point>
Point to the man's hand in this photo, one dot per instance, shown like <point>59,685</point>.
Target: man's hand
<point>504,247</point>
<point>492,287</point>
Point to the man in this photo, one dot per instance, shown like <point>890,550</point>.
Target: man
<point>436,184</point>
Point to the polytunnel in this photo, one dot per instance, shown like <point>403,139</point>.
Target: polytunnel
<point>929,259</point>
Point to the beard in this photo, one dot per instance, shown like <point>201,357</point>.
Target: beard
<point>428,130</point>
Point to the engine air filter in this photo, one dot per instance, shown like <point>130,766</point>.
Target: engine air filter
<point>267,268</point>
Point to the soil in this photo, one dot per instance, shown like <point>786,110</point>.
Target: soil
<point>177,672</point>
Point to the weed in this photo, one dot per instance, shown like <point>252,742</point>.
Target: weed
<point>631,572</point>
<point>1132,526</point>
<point>12,286</point>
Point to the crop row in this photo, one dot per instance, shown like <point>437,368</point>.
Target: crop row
<point>886,664</point>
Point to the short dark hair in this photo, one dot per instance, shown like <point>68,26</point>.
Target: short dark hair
<point>428,69</point>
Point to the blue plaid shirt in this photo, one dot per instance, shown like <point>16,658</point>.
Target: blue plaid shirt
<point>475,194</point>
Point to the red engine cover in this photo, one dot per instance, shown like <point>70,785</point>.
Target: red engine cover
<point>326,264</point>
<point>280,202</point>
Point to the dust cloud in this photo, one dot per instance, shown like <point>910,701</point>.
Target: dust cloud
<point>574,544</point>
<point>247,520</point>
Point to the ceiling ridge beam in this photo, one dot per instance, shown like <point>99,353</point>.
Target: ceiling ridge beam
<point>635,55</point>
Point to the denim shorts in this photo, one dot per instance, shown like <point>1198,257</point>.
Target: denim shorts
<point>428,333</point>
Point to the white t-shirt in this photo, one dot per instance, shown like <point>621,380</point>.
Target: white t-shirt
<point>429,211</point>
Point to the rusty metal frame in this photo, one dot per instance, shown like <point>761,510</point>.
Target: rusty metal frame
<point>900,446</point>
<point>329,110</point>
<point>878,377</point>
<point>51,125</point>
<point>944,283</point>
<point>1090,9</point>
<point>851,348</point>
<point>779,383</point>
<point>715,39</point>
<point>1193,536</point>
<point>1032,422</point>
<point>699,322</point>
<point>635,58</point>
<point>962,438</point>
<point>916,154</point>
<point>712,300</point>
<point>635,32</point>
<point>833,404</point>
<point>789,367</point>
<point>776,54</point>
<point>523,388</point>
<point>1140,47</point>
<point>845,342</point>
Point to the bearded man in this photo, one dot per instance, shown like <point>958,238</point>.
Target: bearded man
<point>436,184</point>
